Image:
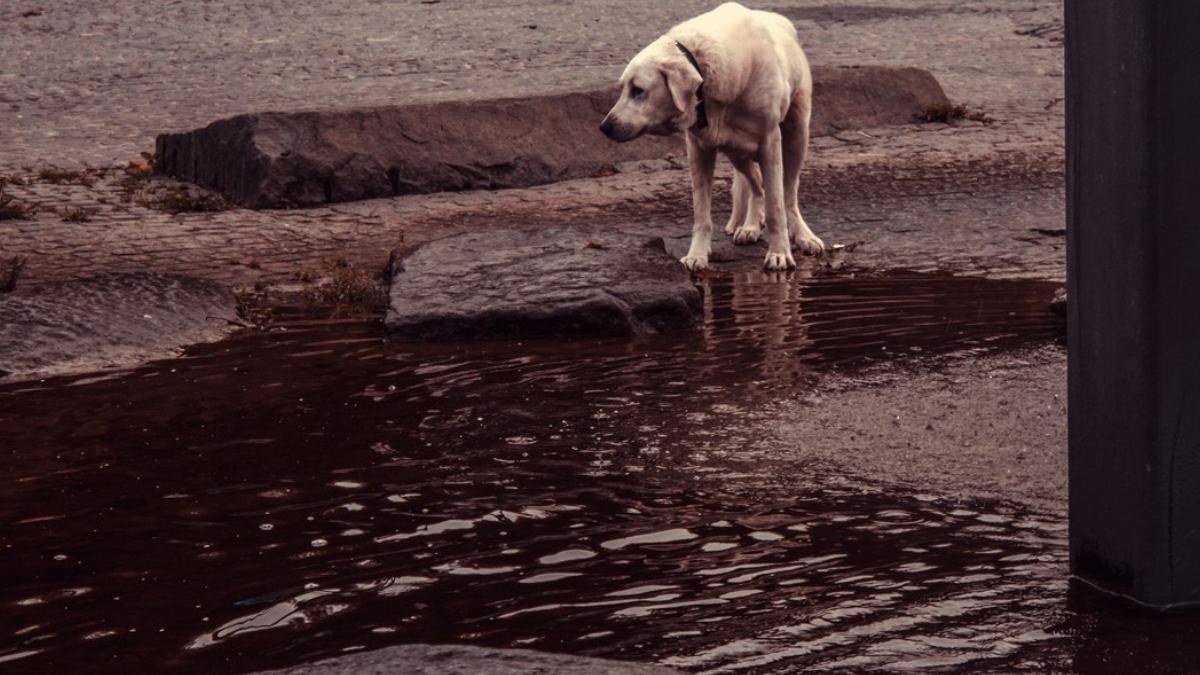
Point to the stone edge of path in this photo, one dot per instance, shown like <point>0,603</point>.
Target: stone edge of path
<point>309,158</point>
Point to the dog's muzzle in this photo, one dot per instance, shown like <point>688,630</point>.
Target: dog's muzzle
<point>606,126</point>
<point>616,132</point>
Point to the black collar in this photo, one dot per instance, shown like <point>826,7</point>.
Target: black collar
<point>701,113</point>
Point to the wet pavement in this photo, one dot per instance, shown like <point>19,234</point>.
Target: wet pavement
<point>297,493</point>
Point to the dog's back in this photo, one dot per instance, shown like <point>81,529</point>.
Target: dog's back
<point>763,39</point>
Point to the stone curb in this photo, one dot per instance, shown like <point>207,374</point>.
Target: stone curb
<point>289,159</point>
<point>586,281</point>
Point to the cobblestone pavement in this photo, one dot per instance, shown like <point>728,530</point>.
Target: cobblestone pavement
<point>905,215</point>
<point>92,84</point>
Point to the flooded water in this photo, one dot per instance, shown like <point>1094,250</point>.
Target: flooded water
<point>314,489</point>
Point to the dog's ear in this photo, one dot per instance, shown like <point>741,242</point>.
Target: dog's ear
<point>682,81</point>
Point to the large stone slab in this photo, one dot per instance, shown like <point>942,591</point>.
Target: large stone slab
<point>509,283</point>
<point>286,159</point>
<point>468,660</point>
<point>108,321</point>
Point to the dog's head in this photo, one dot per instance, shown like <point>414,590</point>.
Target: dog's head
<point>658,94</point>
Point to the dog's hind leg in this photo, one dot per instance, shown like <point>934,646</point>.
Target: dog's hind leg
<point>702,161</point>
<point>795,130</point>
<point>757,213</point>
<point>749,226</point>
<point>740,200</point>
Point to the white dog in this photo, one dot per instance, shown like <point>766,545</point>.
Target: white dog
<point>736,81</point>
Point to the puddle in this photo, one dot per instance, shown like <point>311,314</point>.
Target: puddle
<point>291,495</point>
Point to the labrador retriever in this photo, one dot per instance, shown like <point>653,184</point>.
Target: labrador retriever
<point>734,80</point>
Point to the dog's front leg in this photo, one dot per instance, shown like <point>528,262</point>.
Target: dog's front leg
<point>702,162</point>
<point>770,158</point>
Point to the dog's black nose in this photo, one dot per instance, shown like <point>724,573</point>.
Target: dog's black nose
<point>607,127</point>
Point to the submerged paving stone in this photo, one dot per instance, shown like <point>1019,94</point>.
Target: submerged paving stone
<point>465,659</point>
<point>568,282</point>
<point>109,320</point>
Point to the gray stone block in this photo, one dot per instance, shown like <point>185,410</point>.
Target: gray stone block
<point>507,284</point>
<point>288,159</point>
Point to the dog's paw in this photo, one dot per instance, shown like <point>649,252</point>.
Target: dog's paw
<point>747,235</point>
<point>695,263</point>
<point>809,244</point>
<point>779,261</point>
<point>730,228</point>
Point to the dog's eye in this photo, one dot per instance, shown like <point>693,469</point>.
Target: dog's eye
<point>636,92</point>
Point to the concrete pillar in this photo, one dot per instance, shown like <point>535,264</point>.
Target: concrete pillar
<point>1133,191</point>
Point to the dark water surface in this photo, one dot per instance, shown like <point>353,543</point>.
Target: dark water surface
<point>293,494</point>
